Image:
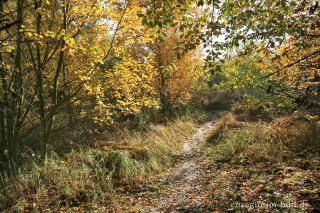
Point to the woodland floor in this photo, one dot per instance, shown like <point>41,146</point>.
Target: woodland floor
<point>184,190</point>
<point>195,185</point>
<point>180,188</point>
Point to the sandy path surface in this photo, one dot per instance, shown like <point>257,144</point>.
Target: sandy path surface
<point>184,191</point>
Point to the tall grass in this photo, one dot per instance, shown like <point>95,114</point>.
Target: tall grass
<point>89,174</point>
<point>258,141</point>
<point>275,162</point>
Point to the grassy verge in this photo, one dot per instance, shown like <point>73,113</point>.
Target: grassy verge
<point>85,178</point>
<point>266,167</point>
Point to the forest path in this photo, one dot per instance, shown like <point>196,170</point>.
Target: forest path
<point>182,189</point>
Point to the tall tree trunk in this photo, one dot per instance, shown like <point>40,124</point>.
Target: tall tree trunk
<point>18,86</point>
<point>39,87</point>
<point>3,103</point>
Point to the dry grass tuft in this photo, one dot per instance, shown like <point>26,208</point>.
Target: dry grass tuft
<point>295,131</point>
<point>254,142</point>
<point>227,122</point>
<point>249,117</point>
<point>90,174</point>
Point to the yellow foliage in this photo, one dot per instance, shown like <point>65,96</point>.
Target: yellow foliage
<point>289,65</point>
<point>176,78</point>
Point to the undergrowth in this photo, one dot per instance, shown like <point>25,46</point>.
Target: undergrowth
<point>268,163</point>
<point>260,141</point>
<point>86,176</point>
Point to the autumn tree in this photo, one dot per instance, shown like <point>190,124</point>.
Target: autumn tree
<point>263,25</point>
<point>296,66</point>
<point>176,77</point>
<point>14,103</point>
<point>144,71</point>
<point>56,49</point>
<point>97,57</point>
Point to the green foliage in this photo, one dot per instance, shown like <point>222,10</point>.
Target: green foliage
<point>256,27</point>
<point>243,77</point>
<point>192,112</point>
<point>251,20</point>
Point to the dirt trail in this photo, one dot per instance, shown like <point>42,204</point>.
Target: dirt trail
<point>184,191</point>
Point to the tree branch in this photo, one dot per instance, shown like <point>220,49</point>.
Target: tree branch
<point>292,64</point>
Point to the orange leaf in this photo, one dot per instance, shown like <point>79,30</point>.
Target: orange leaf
<point>205,199</point>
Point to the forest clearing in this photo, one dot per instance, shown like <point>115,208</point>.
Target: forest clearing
<point>159,106</point>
